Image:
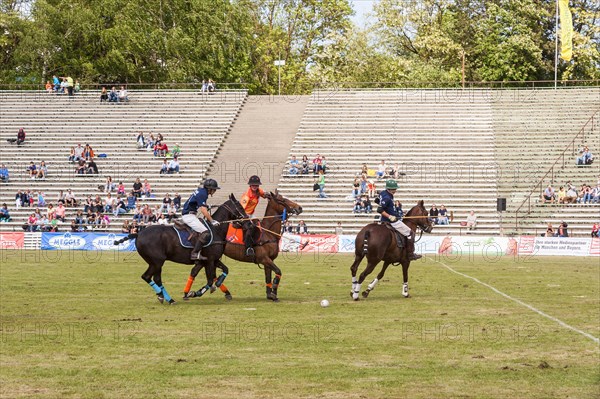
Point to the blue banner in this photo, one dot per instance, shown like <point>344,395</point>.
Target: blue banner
<point>86,242</point>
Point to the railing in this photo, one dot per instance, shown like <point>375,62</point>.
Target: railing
<point>571,147</point>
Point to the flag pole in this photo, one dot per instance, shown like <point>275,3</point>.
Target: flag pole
<point>556,48</point>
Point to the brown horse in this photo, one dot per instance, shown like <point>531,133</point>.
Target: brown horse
<point>377,242</point>
<point>267,248</point>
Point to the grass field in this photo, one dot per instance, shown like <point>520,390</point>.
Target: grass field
<point>84,325</point>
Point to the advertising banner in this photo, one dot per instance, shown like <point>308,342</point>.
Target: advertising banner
<point>309,243</point>
<point>85,241</point>
<point>12,240</point>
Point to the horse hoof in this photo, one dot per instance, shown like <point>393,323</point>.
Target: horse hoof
<point>212,289</point>
<point>160,299</point>
<point>365,294</point>
<point>171,302</point>
<point>272,297</point>
<point>228,297</point>
<point>407,295</point>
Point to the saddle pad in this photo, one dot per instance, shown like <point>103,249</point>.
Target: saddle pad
<point>235,236</point>
<point>183,238</point>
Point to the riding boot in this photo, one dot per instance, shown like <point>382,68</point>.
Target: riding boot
<point>202,240</point>
<point>410,248</point>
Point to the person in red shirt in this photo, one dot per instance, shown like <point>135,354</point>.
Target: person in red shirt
<point>249,202</point>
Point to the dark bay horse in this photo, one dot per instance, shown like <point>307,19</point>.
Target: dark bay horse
<point>377,242</point>
<point>159,243</point>
<point>267,248</point>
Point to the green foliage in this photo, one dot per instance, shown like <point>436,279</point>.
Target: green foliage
<point>186,41</point>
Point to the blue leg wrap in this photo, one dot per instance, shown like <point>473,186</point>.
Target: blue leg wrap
<point>202,290</point>
<point>221,279</point>
<point>155,287</point>
<point>165,294</point>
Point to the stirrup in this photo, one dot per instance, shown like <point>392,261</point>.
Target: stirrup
<point>197,256</point>
<point>250,252</point>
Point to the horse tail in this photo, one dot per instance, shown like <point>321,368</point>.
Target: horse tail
<point>131,236</point>
<point>366,242</point>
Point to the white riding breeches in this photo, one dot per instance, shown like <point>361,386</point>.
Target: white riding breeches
<point>194,223</point>
<point>401,228</point>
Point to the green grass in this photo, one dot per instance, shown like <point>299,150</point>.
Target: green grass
<point>84,325</point>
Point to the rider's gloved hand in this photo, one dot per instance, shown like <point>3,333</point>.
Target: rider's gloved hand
<point>392,218</point>
<point>215,222</point>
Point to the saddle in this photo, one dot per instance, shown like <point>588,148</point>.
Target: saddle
<point>187,236</point>
<point>235,235</point>
<point>400,239</point>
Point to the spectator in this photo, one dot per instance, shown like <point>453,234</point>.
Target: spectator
<point>91,218</point>
<point>32,170</point>
<point>321,184</point>
<point>120,206</point>
<point>165,202</point>
<point>287,227</point>
<point>304,165</point>
<point>357,206</point>
<point>171,212</point>
<point>41,199</point>
<point>77,87</point>
<point>204,88</point>
<point>109,203</point>
<point>104,220</point>
<point>363,184</point>
<point>434,213</point>
<point>88,152</point>
<point>42,171</point>
<point>80,221</point>
<point>72,155</point>
<point>371,188</point>
<point>123,95</point>
<point>78,153</point>
<point>301,228</point>
<point>595,229</point>
<point>21,136</point>
<point>317,164</point>
<point>92,168</point>
<point>113,96</point>
<point>31,224</point>
<point>146,214</point>
<point>4,213</point>
<point>63,85</point>
<point>549,195</point>
<point>364,169</point>
<point>549,231</point>
<point>141,142</point>
<point>323,164</point>
<point>81,168</point>
<point>471,221</point>
<point>158,216</point>
<point>176,150</point>
<point>131,201</point>
<point>381,169</point>
<point>60,213</point>
<point>137,213</point>
<point>160,149</point>
<point>88,204</point>
<point>48,86</point>
<point>150,142</point>
<point>69,85</point>
<point>562,230</point>
<point>211,86</point>
<point>56,83</point>
<point>121,188</point>
<point>50,212</point>
<point>137,188</point>
<point>560,196</point>
<point>173,166</point>
<point>366,204</point>
<point>442,215</point>
<point>109,186</point>
<point>4,175</point>
<point>177,201</point>
<point>585,157</point>
<point>596,194</point>
<point>294,164</point>
<point>147,190</point>
<point>338,229</point>
<point>103,95</point>
<point>588,194</point>
<point>571,196</point>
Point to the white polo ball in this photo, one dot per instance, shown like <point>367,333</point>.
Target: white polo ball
<point>324,303</point>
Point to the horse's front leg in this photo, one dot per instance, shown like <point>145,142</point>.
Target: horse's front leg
<point>219,282</point>
<point>209,270</point>
<point>272,287</point>
<point>163,291</point>
<point>371,286</point>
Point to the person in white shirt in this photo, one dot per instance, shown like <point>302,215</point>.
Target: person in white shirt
<point>123,95</point>
<point>381,170</point>
<point>173,166</point>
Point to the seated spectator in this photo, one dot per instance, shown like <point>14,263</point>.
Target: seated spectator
<point>125,228</point>
<point>204,88</point>
<point>147,214</point>
<point>104,220</point>
<point>150,142</point>
<point>4,175</point>
<point>60,213</point>
<point>32,170</point>
<point>123,95</point>
<point>287,227</point>
<point>364,184</point>
<point>549,195</point>
<point>356,188</point>
<point>31,224</point>
<point>140,140</point>
<point>442,218</point>
<point>294,164</point>
<point>571,195</point>
<point>158,216</point>
<point>103,95</point>
<point>81,168</point>
<point>358,205</point>
<point>109,203</point>
<point>588,194</point>
<point>21,136</point>
<point>371,188</point>
<point>366,204</point>
<point>165,202</point>
<point>338,229</point>
<point>137,213</point>
<point>160,149</point>
<point>91,218</point>
<point>55,83</point>
<point>317,164</point>
<point>4,213</point>
<point>147,190</point>
<point>78,153</point>
<point>171,212</point>
<point>88,204</point>
<point>50,212</point>
<point>595,229</point>
<point>121,189</point>
<point>88,152</point>
<point>304,170</point>
<point>177,201</point>
<point>173,166</point>
<point>79,221</point>
<point>113,96</point>
<point>549,231</point>
<point>137,188</point>
<point>596,195</point>
<point>48,86</point>
<point>364,170</point>
<point>562,230</point>
<point>77,87</point>
<point>131,201</point>
<point>92,168</point>
<point>41,199</point>
<point>211,86</point>
<point>471,221</point>
<point>585,157</point>
<point>323,164</point>
<point>301,228</point>
<point>72,155</point>
<point>109,186</point>
<point>120,206</point>
<point>176,151</point>
<point>42,171</point>
<point>381,169</point>
<point>433,214</point>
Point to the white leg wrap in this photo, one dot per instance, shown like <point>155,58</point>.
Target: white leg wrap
<point>356,291</point>
<point>405,289</point>
<point>372,285</point>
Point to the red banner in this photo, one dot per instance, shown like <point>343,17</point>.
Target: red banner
<point>309,243</point>
<point>12,240</point>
